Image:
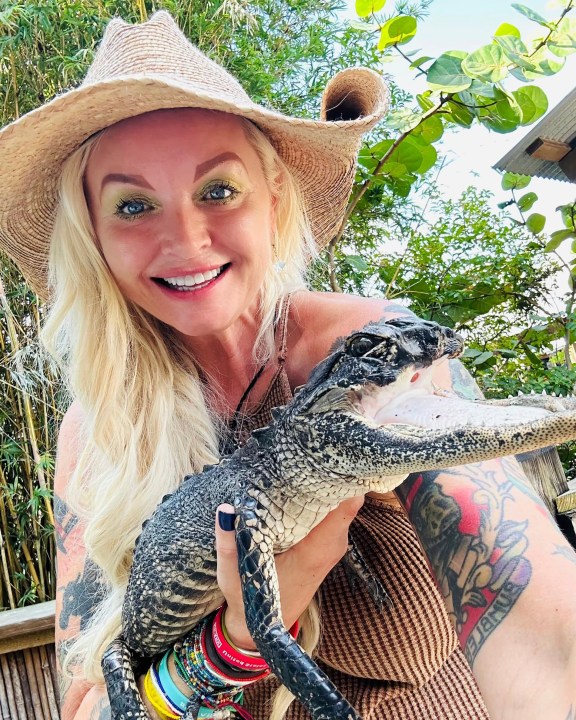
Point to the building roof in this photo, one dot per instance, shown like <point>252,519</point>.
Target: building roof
<point>543,151</point>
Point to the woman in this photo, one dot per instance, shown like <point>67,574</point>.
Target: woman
<point>177,217</point>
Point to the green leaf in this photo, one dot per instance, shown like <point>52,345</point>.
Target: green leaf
<point>420,61</point>
<point>367,7</point>
<point>533,103</point>
<point>483,357</point>
<point>458,113</point>
<point>397,31</point>
<point>507,29</point>
<point>557,238</point>
<point>425,101</point>
<point>503,115</point>
<point>513,48</point>
<point>519,74</point>
<point>357,262</point>
<point>408,154</point>
<point>403,120</point>
<point>471,352</point>
<point>394,169</point>
<point>568,213</point>
<point>526,202</point>
<point>431,129</point>
<point>488,64</point>
<point>505,353</point>
<point>514,181</point>
<point>446,72</point>
<point>535,223</point>
<point>364,26</point>
<point>544,64</point>
<point>532,15</point>
<point>429,158</point>
<point>562,42</point>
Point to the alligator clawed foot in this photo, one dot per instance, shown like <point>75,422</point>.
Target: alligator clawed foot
<point>357,571</point>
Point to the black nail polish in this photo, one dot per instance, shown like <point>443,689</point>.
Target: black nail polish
<point>226,520</point>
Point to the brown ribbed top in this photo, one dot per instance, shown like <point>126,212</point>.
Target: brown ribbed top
<point>402,664</point>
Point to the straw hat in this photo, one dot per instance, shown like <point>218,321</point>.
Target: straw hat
<point>140,68</point>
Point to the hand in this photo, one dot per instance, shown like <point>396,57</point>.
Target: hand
<point>301,569</point>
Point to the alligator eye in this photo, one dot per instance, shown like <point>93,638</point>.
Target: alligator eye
<point>361,345</point>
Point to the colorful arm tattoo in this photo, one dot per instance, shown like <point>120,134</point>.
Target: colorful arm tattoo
<point>476,552</point>
<point>475,549</point>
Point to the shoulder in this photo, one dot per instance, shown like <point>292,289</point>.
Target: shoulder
<point>318,319</point>
<point>69,444</point>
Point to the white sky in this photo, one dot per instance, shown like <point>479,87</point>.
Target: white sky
<point>467,25</point>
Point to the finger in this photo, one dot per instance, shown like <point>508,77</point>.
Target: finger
<point>227,556</point>
<point>229,578</point>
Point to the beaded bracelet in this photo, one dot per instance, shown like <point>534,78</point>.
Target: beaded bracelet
<point>210,686</point>
<point>215,670</point>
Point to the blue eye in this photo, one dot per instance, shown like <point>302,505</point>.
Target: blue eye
<point>220,192</point>
<point>132,208</point>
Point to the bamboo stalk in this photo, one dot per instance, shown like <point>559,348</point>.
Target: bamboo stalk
<point>142,10</point>
<point>6,572</point>
<point>40,681</point>
<point>20,685</point>
<point>49,681</point>
<point>27,710</point>
<point>4,705</point>
<point>28,414</point>
<point>23,544</point>
<point>14,85</point>
<point>34,690</point>
<point>10,697</point>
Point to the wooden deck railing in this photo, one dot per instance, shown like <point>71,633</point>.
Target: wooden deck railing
<point>28,685</point>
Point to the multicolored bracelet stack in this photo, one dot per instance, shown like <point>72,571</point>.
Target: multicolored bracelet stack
<point>213,668</point>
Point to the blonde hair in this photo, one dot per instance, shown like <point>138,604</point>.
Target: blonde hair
<point>147,421</point>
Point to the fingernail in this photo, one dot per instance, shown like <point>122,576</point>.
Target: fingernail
<point>226,520</point>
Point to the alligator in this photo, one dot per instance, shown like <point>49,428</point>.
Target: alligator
<point>368,416</point>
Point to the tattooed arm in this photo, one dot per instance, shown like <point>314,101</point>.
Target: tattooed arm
<point>77,591</point>
<point>508,578</point>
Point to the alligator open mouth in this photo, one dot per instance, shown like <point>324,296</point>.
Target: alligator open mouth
<point>413,399</point>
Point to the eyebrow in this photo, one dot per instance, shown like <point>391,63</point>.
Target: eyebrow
<point>205,167</point>
<point>127,179</point>
<point>202,169</point>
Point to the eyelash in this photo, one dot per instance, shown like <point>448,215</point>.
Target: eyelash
<point>122,204</point>
<point>220,184</point>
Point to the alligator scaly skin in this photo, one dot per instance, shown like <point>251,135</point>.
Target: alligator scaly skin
<point>325,446</point>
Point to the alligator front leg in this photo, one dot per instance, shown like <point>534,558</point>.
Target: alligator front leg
<point>357,571</point>
<point>123,693</point>
<point>293,667</point>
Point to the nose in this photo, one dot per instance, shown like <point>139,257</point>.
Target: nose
<point>185,233</point>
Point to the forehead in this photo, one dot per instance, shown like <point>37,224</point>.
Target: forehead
<point>179,131</point>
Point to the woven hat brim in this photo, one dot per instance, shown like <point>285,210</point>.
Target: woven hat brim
<point>320,154</point>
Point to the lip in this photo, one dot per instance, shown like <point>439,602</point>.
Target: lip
<point>196,293</point>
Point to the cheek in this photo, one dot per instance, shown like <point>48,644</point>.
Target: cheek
<point>126,260</point>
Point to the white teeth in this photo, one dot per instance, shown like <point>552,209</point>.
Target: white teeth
<point>190,281</point>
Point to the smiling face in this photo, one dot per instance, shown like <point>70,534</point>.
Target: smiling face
<point>184,216</point>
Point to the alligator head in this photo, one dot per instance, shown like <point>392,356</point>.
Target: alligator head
<point>371,409</point>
